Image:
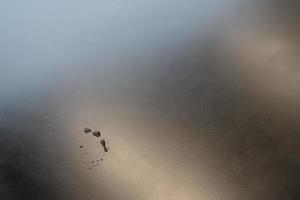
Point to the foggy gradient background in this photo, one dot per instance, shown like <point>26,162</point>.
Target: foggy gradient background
<point>197,99</point>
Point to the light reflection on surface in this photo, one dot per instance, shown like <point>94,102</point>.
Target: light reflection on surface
<point>197,100</point>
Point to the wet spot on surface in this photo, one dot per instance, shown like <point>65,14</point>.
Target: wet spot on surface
<point>103,145</point>
<point>96,133</point>
<point>87,130</point>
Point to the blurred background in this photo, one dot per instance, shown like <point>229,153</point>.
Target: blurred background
<point>197,99</point>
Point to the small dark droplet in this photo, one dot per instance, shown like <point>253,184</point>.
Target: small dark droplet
<point>80,146</point>
<point>96,133</point>
<point>87,130</point>
<point>97,160</point>
<point>103,145</point>
<point>93,161</point>
<point>101,159</point>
